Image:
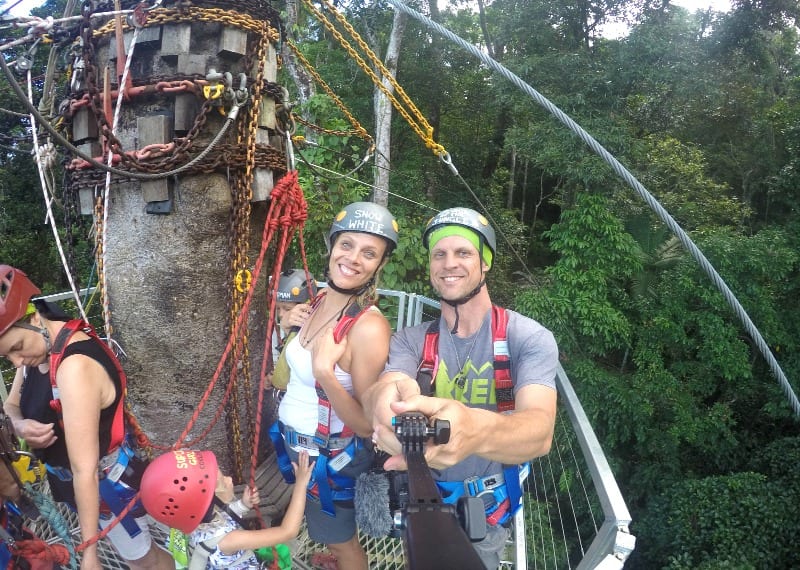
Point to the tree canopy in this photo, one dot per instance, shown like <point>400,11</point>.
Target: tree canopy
<point>704,108</point>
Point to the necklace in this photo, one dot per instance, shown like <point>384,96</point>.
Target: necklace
<point>305,338</point>
<point>460,379</point>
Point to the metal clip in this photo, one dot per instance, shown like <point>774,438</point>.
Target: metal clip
<point>215,88</point>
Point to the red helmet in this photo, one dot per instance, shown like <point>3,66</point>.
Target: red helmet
<point>178,487</point>
<point>16,291</point>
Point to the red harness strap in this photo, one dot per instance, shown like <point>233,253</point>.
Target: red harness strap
<point>57,355</point>
<point>343,326</point>
<point>503,386</point>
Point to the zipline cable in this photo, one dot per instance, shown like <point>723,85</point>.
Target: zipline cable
<point>626,175</point>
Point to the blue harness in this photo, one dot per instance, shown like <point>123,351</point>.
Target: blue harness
<point>6,539</point>
<point>114,492</point>
<point>501,494</point>
<point>326,484</point>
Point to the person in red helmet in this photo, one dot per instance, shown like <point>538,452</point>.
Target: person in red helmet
<point>185,489</point>
<point>67,402</point>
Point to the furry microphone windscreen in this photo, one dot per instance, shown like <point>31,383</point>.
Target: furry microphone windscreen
<point>372,505</point>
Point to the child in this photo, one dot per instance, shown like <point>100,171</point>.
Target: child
<point>177,491</point>
<point>293,289</point>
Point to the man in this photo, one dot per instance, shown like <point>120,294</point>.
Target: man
<point>501,415</point>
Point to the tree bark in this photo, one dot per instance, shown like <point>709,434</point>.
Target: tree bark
<point>383,112</point>
<point>300,77</point>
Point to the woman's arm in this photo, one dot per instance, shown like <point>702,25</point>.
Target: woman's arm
<point>84,389</point>
<point>364,356</point>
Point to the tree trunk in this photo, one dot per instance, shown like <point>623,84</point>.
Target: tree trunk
<point>383,112</point>
<point>301,79</point>
<point>169,254</point>
<point>434,104</point>
<point>511,175</point>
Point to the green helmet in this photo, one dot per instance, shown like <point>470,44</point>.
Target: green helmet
<point>465,218</point>
<point>365,217</point>
<point>293,286</point>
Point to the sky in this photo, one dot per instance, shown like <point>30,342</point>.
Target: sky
<point>613,30</point>
<point>24,6</point>
<point>21,9</point>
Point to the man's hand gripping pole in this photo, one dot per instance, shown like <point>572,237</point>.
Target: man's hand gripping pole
<point>434,532</point>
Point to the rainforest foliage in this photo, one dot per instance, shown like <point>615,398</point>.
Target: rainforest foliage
<point>704,109</point>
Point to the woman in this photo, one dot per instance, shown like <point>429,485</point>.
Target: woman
<point>322,406</point>
<point>73,419</point>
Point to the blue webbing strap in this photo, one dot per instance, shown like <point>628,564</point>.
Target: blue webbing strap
<point>284,463</point>
<point>322,476</point>
<point>113,493</point>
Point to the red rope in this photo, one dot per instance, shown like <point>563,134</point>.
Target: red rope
<point>290,212</point>
<point>287,210</point>
<point>36,549</point>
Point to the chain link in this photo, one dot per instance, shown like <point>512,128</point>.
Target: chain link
<point>359,130</point>
<point>418,123</point>
<point>236,19</point>
<point>239,159</point>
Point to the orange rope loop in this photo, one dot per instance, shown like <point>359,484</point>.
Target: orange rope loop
<point>36,549</point>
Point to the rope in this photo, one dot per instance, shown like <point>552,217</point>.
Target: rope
<point>267,235</point>
<point>39,550</point>
<point>103,237</point>
<point>288,210</point>
<point>49,204</point>
<point>48,510</point>
<point>623,172</point>
<point>102,277</point>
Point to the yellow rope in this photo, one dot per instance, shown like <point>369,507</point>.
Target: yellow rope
<point>418,123</point>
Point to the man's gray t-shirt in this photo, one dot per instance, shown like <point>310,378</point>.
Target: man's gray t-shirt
<point>465,370</point>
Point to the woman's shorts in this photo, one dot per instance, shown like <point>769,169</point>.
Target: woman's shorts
<point>326,529</point>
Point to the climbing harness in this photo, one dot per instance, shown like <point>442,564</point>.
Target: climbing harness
<point>503,386</point>
<point>501,492</point>
<point>336,451</point>
<point>121,458</point>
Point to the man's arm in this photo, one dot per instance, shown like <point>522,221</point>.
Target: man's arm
<point>509,438</point>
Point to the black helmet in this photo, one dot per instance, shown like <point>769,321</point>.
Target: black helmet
<point>365,217</point>
<point>293,286</point>
<point>466,218</point>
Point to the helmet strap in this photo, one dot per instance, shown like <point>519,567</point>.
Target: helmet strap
<point>354,292</point>
<point>41,330</point>
<point>456,302</point>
